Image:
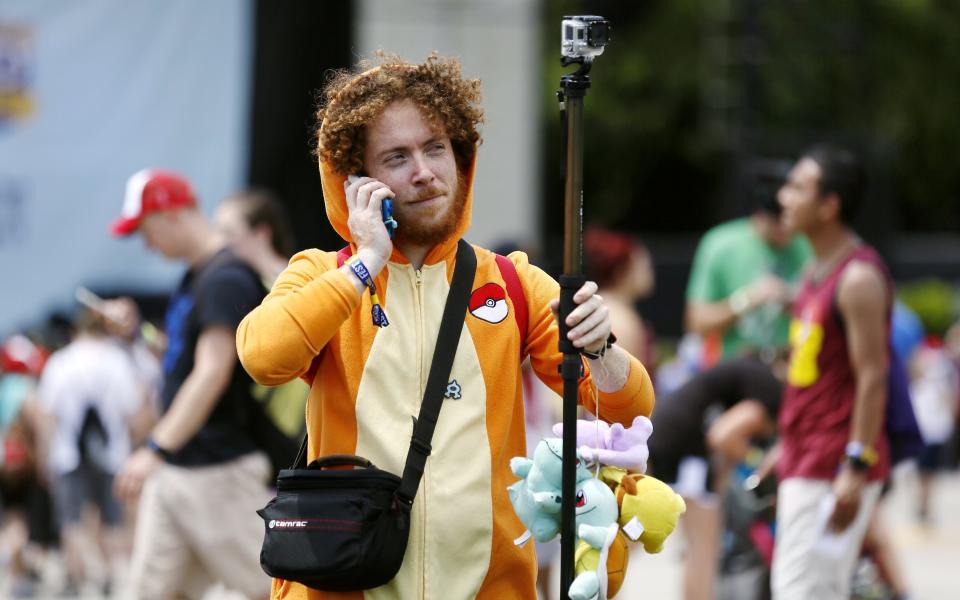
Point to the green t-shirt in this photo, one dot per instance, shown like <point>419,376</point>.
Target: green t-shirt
<point>733,255</point>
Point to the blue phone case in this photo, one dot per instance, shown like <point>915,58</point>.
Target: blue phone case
<point>386,211</point>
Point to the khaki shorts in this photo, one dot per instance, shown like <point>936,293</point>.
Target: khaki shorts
<point>808,562</point>
<point>198,526</point>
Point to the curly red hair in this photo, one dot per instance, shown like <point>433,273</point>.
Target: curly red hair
<point>353,99</point>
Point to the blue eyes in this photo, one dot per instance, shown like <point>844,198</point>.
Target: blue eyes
<point>399,158</point>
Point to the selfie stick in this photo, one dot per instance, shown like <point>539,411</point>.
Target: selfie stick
<point>573,90</point>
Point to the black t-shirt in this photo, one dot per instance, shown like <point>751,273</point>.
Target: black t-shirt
<point>218,293</point>
<point>678,418</point>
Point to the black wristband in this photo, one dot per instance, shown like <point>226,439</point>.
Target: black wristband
<point>611,340</point>
<point>857,464</point>
<point>154,447</point>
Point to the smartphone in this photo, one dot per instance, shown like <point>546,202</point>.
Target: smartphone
<point>386,210</point>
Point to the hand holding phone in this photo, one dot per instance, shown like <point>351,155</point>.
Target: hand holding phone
<point>386,210</point>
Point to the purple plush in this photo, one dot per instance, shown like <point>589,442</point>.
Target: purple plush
<point>613,445</point>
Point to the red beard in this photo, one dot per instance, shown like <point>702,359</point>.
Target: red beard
<point>432,231</point>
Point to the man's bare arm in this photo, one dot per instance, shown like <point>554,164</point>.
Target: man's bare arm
<point>214,359</point>
<point>862,300</point>
<point>706,318</point>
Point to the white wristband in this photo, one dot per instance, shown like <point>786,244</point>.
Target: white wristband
<point>739,302</point>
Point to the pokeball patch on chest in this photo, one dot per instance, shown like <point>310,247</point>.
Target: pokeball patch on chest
<point>489,303</point>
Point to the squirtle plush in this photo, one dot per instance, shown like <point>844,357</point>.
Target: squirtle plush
<point>613,445</point>
<point>536,497</point>
<point>649,508</point>
<point>601,552</point>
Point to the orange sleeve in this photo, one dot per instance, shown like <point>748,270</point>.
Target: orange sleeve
<point>635,398</point>
<point>309,302</point>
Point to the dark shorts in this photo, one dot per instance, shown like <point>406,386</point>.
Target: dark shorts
<point>669,468</point>
<point>29,496</point>
<point>931,459</point>
<point>86,485</point>
<point>15,490</point>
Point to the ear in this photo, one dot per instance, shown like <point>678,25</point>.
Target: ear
<point>829,209</point>
<point>263,232</point>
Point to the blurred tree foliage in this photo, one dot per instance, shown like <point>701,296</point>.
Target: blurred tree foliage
<point>933,301</point>
<point>690,89</point>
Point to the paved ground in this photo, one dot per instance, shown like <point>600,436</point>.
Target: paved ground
<point>930,556</point>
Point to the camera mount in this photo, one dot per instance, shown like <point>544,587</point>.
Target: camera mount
<point>583,38</point>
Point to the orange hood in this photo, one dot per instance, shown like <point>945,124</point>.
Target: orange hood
<point>335,201</point>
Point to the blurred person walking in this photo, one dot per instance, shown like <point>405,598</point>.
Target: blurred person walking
<point>199,476</point>
<point>951,343</point>
<point>26,512</point>
<point>256,227</point>
<point>935,392</point>
<point>740,283</point>
<point>833,453</point>
<point>702,430</point>
<point>89,394</point>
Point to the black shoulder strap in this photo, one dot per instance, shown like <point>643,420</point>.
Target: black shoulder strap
<point>451,324</point>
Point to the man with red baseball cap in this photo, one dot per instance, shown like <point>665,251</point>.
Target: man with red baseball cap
<point>150,191</point>
<point>199,476</point>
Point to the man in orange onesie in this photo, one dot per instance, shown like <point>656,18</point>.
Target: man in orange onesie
<point>410,133</point>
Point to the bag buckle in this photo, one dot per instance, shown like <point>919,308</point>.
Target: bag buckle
<point>421,446</point>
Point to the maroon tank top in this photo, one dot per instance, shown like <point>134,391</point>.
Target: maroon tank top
<point>818,400</point>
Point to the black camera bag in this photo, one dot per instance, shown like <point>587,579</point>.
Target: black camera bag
<point>341,530</point>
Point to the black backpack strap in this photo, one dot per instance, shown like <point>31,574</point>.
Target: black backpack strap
<point>451,324</point>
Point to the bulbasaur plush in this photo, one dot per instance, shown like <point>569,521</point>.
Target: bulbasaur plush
<point>536,497</point>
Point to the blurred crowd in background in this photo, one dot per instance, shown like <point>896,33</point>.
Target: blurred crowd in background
<point>77,395</point>
<point>80,387</point>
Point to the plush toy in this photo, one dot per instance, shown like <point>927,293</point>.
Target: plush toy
<point>649,509</point>
<point>536,497</point>
<point>601,552</point>
<point>645,508</point>
<point>613,445</point>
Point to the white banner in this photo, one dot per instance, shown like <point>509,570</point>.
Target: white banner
<point>90,92</point>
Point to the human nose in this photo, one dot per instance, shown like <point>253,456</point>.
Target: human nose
<point>422,173</point>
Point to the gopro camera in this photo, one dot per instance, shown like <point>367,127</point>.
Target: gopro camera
<point>584,36</point>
